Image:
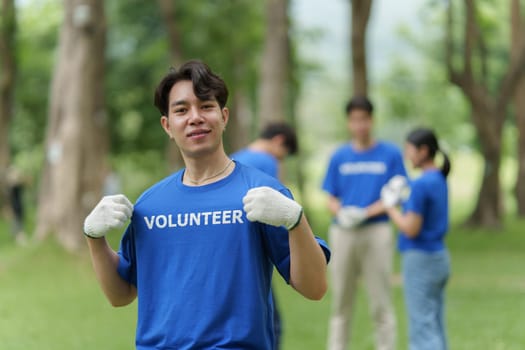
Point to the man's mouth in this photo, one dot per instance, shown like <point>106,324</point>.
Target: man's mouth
<point>198,133</point>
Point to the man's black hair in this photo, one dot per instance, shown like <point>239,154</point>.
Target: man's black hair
<point>280,128</point>
<point>206,84</point>
<point>359,102</point>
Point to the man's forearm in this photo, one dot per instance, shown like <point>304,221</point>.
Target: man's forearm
<point>105,262</point>
<point>307,262</point>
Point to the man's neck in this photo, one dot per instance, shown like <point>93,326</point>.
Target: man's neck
<point>207,169</point>
<point>363,145</point>
<point>260,146</point>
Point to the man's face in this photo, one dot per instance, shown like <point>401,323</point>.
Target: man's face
<point>195,125</point>
<point>359,124</point>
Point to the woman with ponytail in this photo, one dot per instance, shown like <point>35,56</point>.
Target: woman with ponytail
<point>423,224</point>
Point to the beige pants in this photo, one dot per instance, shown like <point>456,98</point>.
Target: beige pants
<point>362,252</point>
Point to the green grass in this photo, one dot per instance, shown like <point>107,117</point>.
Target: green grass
<point>50,300</point>
<point>485,298</point>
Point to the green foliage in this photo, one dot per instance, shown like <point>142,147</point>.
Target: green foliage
<point>138,56</point>
<point>421,95</point>
<point>37,41</point>
<point>418,92</point>
<point>225,34</point>
<point>228,35</point>
<point>139,170</point>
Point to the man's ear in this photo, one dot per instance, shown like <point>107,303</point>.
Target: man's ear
<point>165,123</point>
<point>225,116</point>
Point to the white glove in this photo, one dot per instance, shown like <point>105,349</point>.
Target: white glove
<point>351,216</point>
<point>110,213</point>
<point>395,191</point>
<point>269,206</point>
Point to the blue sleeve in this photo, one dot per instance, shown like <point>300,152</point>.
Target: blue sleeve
<point>330,180</point>
<point>398,166</point>
<point>416,200</point>
<point>127,262</point>
<point>325,248</point>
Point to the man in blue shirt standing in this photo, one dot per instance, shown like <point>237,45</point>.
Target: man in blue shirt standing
<point>275,142</point>
<point>200,249</point>
<point>361,236</point>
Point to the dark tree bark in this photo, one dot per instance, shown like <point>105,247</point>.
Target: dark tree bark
<point>360,16</point>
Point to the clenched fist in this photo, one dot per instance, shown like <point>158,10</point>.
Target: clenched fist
<point>110,213</point>
<point>269,206</point>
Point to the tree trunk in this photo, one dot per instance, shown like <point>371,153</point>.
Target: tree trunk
<point>7,86</point>
<point>273,96</point>
<point>488,108</point>
<point>168,11</point>
<point>489,205</point>
<point>517,40</point>
<point>519,104</point>
<point>77,136</point>
<point>237,133</point>
<point>360,16</point>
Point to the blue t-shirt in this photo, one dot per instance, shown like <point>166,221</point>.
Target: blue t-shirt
<point>202,270</point>
<point>260,160</point>
<point>356,177</point>
<point>429,199</point>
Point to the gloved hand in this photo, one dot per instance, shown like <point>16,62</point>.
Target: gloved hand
<point>269,206</point>
<point>395,191</point>
<point>350,216</point>
<point>111,212</point>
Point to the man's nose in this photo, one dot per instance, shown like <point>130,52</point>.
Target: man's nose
<point>195,115</point>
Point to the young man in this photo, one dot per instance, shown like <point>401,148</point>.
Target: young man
<point>200,249</point>
<point>275,142</point>
<point>361,236</point>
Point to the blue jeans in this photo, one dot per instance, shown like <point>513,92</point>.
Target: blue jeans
<point>425,276</point>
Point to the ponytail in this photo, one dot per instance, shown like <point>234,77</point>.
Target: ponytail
<point>445,168</point>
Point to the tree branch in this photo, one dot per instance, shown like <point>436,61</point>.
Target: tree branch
<point>469,39</point>
<point>516,68</point>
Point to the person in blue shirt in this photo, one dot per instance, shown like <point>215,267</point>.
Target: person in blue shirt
<point>275,142</point>
<point>361,237</point>
<point>200,249</point>
<point>423,225</point>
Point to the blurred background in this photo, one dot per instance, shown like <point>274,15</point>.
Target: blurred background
<point>77,121</point>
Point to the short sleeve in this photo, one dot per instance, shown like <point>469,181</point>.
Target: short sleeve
<point>416,201</point>
<point>127,262</point>
<point>330,183</point>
